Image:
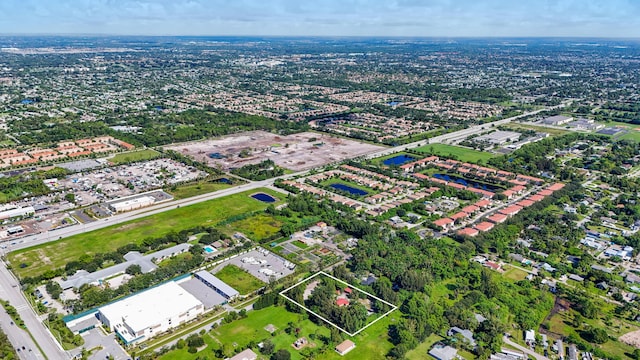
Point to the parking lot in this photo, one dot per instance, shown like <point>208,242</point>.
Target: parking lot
<point>262,264</point>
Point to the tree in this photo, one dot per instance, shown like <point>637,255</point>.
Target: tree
<point>267,347</point>
<point>70,197</point>
<point>282,354</point>
<point>134,269</point>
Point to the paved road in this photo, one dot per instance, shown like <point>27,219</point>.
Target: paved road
<point>10,291</point>
<point>524,349</point>
<point>44,337</point>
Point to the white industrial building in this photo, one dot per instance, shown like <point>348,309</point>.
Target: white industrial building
<point>150,312</point>
<point>132,204</point>
<point>17,212</point>
<point>556,120</point>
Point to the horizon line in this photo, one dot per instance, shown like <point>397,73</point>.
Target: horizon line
<point>327,36</point>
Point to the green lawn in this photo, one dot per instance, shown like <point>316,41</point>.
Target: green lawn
<point>515,274</point>
<point>134,156</point>
<point>199,188</point>
<point>460,153</point>
<point>549,130</point>
<point>56,254</point>
<point>258,227</point>
<point>421,351</point>
<point>632,134</point>
<point>371,344</point>
<point>239,279</point>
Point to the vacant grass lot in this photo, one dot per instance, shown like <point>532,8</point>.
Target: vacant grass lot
<point>56,254</point>
<point>138,155</point>
<point>371,344</point>
<point>544,129</point>
<point>460,153</point>
<point>258,227</point>
<point>239,279</point>
<point>199,188</point>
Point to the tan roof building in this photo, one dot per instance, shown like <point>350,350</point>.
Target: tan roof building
<point>344,347</point>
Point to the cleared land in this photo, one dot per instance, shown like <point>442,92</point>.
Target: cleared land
<point>460,153</point>
<point>544,129</point>
<point>202,187</point>
<point>138,155</point>
<point>258,227</point>
<point>56,254</point>
<point>295,152</point>
<point>239,279</point>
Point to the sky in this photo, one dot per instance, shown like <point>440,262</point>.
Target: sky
<point>448,18</point>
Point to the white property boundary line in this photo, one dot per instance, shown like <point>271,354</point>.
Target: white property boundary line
<point>393,307</point>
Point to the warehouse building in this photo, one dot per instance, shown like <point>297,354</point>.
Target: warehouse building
<point>556,120</point>
<point>17,212</point>
<point>150,312</point>
<point>216,284</point>
<point>132,204</point>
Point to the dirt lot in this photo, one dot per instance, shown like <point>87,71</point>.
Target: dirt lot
<point>295,152</point>
<point>632,338</point>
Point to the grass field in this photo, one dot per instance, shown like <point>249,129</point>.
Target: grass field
<point>202,187</point>
<point>56,254</point>
<point>515,274</point>
<point>138,155</point>
<point>460,153</point>
<point>239,279</point>
<point>258,227</point>
<point>421,351</point>
<point>371,344</point>
<point>633,135</point>
<point>549,130</point>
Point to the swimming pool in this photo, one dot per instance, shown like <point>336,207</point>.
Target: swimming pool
<point>209,249</point>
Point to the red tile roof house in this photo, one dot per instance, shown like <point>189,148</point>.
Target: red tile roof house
<point>556,186</point>
<point>484,226</point>
<point>483,203</point>
<point>492,265</point>
<point>536,198</point>
<point>444,223</point>
<point>470,209</point>
<point>497,218</point>
<point>525,203</point>
<point>511,210</point>
<point>508,193</point>
<point>459,215</point>
<point>468,232</point>
<point>342,302</point>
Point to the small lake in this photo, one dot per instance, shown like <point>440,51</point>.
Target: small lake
<point>398,160</point>
<point>224,181</point>
<point>465,182</point>
<point>264,197</point>
<point>349,189</point>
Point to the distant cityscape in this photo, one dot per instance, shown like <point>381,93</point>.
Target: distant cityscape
<point>319,198</point>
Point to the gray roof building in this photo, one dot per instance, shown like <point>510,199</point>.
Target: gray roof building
<point>145,262</point>
<point>216,284</point>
